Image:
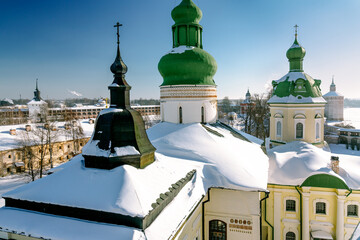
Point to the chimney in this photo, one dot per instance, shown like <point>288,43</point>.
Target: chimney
<point>335,164</point>
<point>12,131</point>
<point>27,128</point>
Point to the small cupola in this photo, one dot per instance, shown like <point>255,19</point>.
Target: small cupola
<point>119,136</point>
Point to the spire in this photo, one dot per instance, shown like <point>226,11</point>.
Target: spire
<point>332,86</point>
<point>37,92</point>
<point>119,136</point>
<point>119,89</point>
<point>296,54</point>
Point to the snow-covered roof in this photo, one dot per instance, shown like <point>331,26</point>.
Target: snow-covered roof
<point>283,93</point>
<point>8,141</point>
<point>294,162</point>
<point>333,94</point>
<point>36,102</point>
<point>29,223</point>
<point>219,158</point>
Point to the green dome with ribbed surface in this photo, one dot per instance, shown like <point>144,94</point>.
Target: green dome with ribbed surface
<point>186,12</point>
<point>187,63</point>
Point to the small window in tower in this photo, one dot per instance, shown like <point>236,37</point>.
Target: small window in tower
<point>299,130</point>
<point>180,115</point>
<point>278,129</point>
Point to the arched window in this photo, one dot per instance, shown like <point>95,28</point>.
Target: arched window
<point>299,130</point>
<point>278,128</point>
<point>291,205</point>
<point>217,230</point>
<point>202,115</point>
<point>180,115</point>
<point>320,208</point>
<point>290,236</point>
<point>317,130</point>
<point>352,210</point>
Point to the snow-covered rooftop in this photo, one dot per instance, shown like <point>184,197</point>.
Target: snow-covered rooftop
<point>294,162</point>
<point>219,158</point>
<point>333,94</point>
<point>8,141</point>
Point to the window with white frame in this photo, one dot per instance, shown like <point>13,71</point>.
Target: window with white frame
<point>299,130</point>
<point>290,205</point>
<point>320,208</point>
<point>352,210</point>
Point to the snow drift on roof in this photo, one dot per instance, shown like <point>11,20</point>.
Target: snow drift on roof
<point>219,158</point>
<point>38,225</point>
<point>294,162</point>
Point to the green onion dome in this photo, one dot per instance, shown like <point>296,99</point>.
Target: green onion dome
<point>296,51</point>
<point>296,54</point>
<point>187,63</point>
<point>186,12</point>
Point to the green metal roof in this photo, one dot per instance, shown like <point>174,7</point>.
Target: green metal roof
<point>325,181</point>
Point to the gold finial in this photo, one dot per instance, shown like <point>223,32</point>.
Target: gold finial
<point>296,28</point>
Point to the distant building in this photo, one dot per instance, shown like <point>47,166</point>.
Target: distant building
<point>334,109</point>
<point>246,104</point>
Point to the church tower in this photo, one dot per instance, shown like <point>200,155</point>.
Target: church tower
<point>334,109</point>
<point>297,105</point>
<point>37,107</point>
<point>119,136</point>
<point>188,92</point>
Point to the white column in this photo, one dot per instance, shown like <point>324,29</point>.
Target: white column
<point>277,215</point>
<point>340,216</point>
<point>305,216</point>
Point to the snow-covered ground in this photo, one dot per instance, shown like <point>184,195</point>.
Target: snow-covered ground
<point>11,182</point>
<point>352,116</point>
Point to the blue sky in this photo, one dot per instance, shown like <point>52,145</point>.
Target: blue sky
<point>70,44</point>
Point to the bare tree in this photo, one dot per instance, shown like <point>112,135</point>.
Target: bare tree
<point>28,155</point>
<point>40,141</point>
<point>257,117</point>
<point>73,130</point>
<point>52,135</point>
